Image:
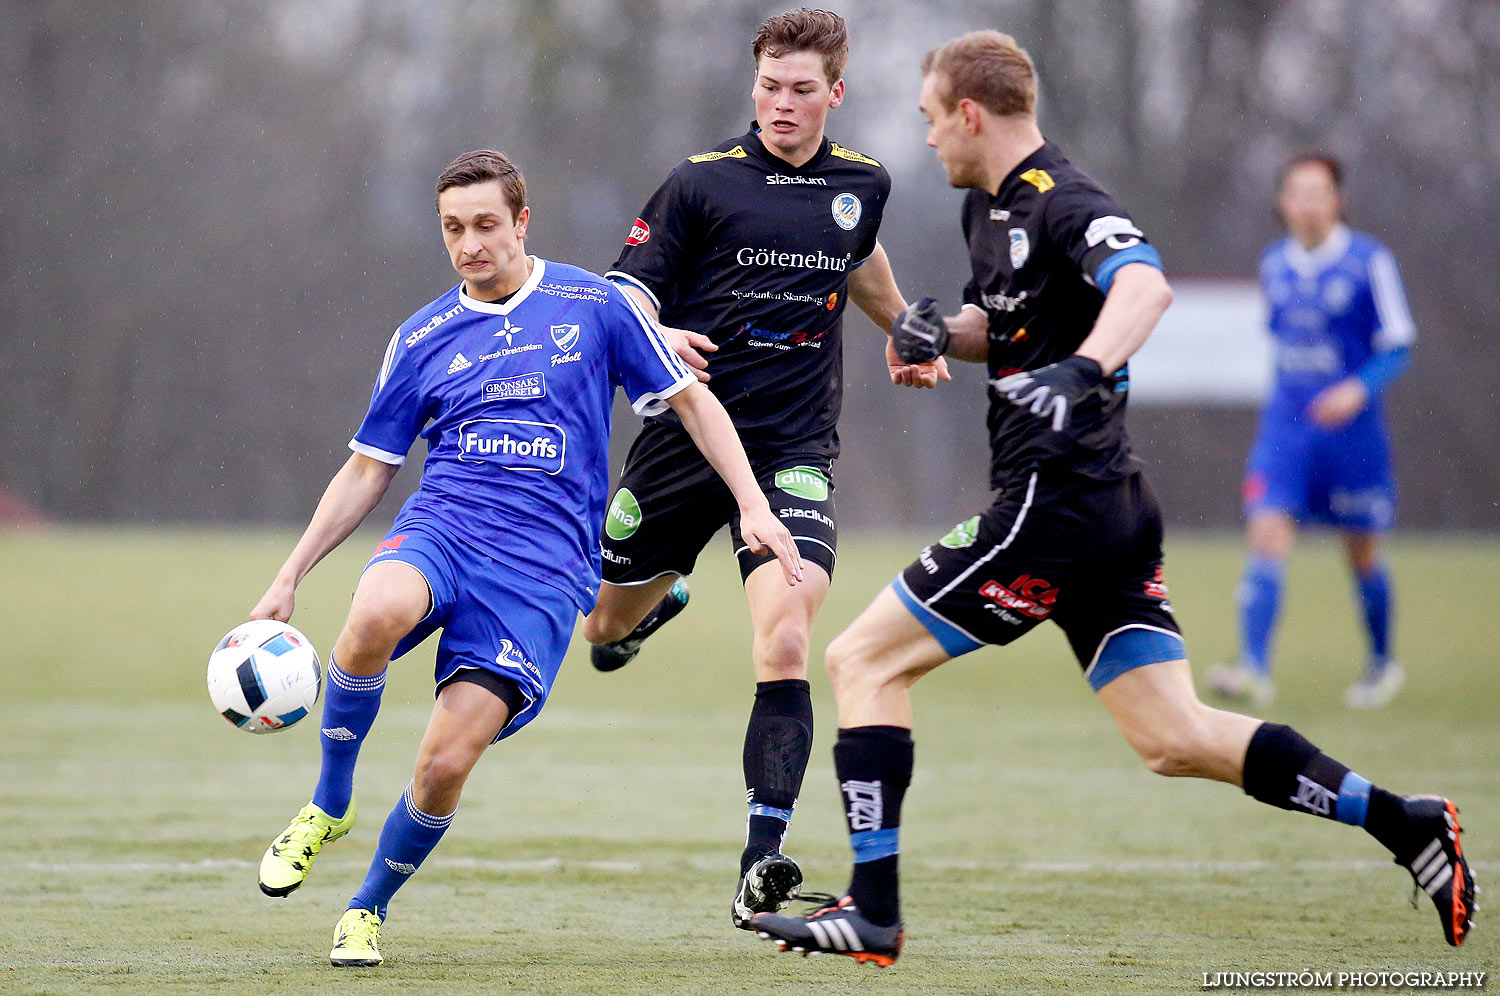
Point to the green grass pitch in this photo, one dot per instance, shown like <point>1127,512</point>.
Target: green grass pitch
<point>595,851</point>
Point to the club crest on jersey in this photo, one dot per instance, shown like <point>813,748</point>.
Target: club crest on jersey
<point>1020,248</point>
<point>565,336</point>
<point>847,210</point>
<point>640,233</point>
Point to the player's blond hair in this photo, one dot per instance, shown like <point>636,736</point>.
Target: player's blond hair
<point>481,166</point>
<point>805,30</point>
<point>987,67</point>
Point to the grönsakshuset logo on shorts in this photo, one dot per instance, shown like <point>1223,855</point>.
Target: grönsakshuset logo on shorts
<point>513,444</point>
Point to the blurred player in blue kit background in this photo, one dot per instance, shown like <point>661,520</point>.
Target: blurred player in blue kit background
<point>1342,333</point>
<point>510,377</point>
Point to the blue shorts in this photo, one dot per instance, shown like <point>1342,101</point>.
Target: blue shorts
<point>493,617</point>
<point>1342,478</point>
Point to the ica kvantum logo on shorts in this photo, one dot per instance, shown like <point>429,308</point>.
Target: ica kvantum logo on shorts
<point>513,444</point>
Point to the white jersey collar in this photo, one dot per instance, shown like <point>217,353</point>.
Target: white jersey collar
<point>538,265</point>
<point>1309,262</point>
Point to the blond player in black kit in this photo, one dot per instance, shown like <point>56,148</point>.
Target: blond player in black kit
<point>1064,289</point>
<point>757,246</point>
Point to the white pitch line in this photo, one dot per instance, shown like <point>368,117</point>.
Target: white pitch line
<point>210,865</point>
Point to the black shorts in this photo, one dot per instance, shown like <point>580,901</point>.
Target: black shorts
<point>670,502</point>
<point>1085,554</point>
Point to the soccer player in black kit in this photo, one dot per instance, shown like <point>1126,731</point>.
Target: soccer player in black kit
<point>1065,288</point>
<point>756,246</point>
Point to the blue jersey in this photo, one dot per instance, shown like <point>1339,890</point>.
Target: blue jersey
<point>514,400</point>
<point>1336,311</point>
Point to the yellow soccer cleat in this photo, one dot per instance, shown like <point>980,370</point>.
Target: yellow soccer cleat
<point>356,940</point>
<point>290,856</point>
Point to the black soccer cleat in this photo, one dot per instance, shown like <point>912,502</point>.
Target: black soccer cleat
<point>837,928</point>
<point>767,886</point>
<point>613,656</point>
<point>1435,858</point>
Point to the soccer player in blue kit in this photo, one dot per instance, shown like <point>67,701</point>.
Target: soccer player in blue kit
<point>1064,289</point>
<point>1342,332</point>
<point>510,377</point>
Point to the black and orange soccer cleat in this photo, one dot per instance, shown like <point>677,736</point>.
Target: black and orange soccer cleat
<point>1435,858</point>
<point>837,928</point>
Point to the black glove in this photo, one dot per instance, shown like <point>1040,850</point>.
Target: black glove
<point>1052,392</point>
<point>920,335</point>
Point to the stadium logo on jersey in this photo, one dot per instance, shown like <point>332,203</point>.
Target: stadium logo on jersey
<point>510,655</point>
<point>1114,231</point>
<point>513,444</point>
<point>1020,248</point>
<point>847,210</point>
<point>460,362</point>
<point>962,535</point>
<point>1040,179</point>
<point>640,233</point>
<point>804,482</point>
<point>1027,595</point>
<point>624,516</point>
<point>510,331</point>
<point>519,387</point>
<point>418,335</point>
<point>565,336</point>
<point>999,214</point>
<point>779,178</point>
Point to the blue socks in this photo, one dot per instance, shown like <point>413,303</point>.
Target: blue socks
<point>1375,600</point>
<point>409,835</point>
<point>349,708</point>
<point>1260,601</point>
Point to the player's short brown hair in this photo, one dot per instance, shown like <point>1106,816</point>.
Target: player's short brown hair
<point>481,166</point>
<point>805,30</point>
<point>987,67</point>
<point>1310,157</point>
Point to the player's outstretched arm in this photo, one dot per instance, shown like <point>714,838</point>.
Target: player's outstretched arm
<point>872,288</point>
<point>1137,299</point>
<point>688,345</point>
<point>713,433</point>
<point>354,491</point>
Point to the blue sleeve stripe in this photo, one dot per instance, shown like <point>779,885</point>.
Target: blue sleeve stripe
<point>1142,253</point>
<point>1354,800</point>
<point>1382,368</point>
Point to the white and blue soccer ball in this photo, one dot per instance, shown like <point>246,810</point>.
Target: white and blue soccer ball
<point>264,676</point>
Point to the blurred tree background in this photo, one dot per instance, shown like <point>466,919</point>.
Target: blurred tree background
<point>214,213</point>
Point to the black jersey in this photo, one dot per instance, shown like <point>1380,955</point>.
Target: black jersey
<point>756,253</point>
<point>1044,251</point>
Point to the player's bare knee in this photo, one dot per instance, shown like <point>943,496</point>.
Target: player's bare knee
<point>603,626</point>
<point>441,773</point>
<point>782,652</point>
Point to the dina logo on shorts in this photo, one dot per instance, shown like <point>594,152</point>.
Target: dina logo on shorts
<point>963,535</point>
<point>804,482</point>
<point>624,516</point>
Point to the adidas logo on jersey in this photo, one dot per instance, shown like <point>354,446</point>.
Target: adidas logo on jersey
<point>460,362</point>
<point>339,733</point>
